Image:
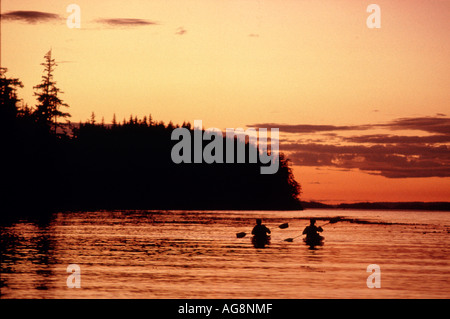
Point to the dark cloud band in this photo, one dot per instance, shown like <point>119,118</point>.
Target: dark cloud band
<point>388,155</point>
<point>30,16</point>
<point>126,22</point>
<point>436,124</point>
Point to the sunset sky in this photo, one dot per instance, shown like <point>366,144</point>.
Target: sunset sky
<point>363,113</point>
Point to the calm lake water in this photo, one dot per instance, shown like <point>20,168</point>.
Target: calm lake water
<point>196,254</point>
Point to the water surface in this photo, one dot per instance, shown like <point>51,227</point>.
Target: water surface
<point>196,254</point>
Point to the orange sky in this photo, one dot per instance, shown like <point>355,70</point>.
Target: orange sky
<point>238,63</point>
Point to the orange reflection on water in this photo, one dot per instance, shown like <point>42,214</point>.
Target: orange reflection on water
<point>187,254</point>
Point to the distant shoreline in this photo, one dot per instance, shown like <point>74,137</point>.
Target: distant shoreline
<point>433,206</point>
<point>302,206</point>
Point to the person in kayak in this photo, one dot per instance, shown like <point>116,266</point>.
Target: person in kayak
<point>260,234</point>
<point>260,230</point>
<point>312,231</point>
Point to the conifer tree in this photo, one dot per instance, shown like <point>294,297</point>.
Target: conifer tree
<point>48,108</point>
<point>8,96</point>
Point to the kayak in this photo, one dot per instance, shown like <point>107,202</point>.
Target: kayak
<point>314,240</point>
<point>260,241</point>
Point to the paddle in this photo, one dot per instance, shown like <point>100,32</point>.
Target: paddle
<point>243,234</point>
<point>331,221</point>
<point>292,239</point>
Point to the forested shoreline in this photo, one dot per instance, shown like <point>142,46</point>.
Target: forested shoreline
<point>54,166</point>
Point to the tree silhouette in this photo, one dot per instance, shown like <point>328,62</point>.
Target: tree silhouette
<point>8,98</point>
<point>48,108</point>
<point>92,118</point>
<point>126,165</point>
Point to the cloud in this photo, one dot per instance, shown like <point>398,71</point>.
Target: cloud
<point>126,22</point>
<point>30,16</point>
<point>180,31</point>
<point>398,139</point>
<point>388,155</point>
<point>429,124</point>
<point>387,161</point>
<point>307,128</point>
<point>437,124</point>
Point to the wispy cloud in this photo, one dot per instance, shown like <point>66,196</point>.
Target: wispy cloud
<point>398,139</point>
<point>126,22</point>
<point>31,17</point>
<point>436,124</point>
<point>388,155</point>
<point>180,31</point>
<point>388,161</point>
<point>308,128</point>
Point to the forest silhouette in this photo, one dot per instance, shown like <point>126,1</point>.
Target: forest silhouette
<point>51,165</point>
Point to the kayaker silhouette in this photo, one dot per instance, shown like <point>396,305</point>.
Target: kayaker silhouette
<point>260,234</point>
<point>312,233</point>
<point>260,230</point>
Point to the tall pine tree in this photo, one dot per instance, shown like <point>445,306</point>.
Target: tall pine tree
<point>48,108</point>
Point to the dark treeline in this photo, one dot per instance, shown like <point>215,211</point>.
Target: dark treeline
<point>127,165</point>
<point>430,206</point>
